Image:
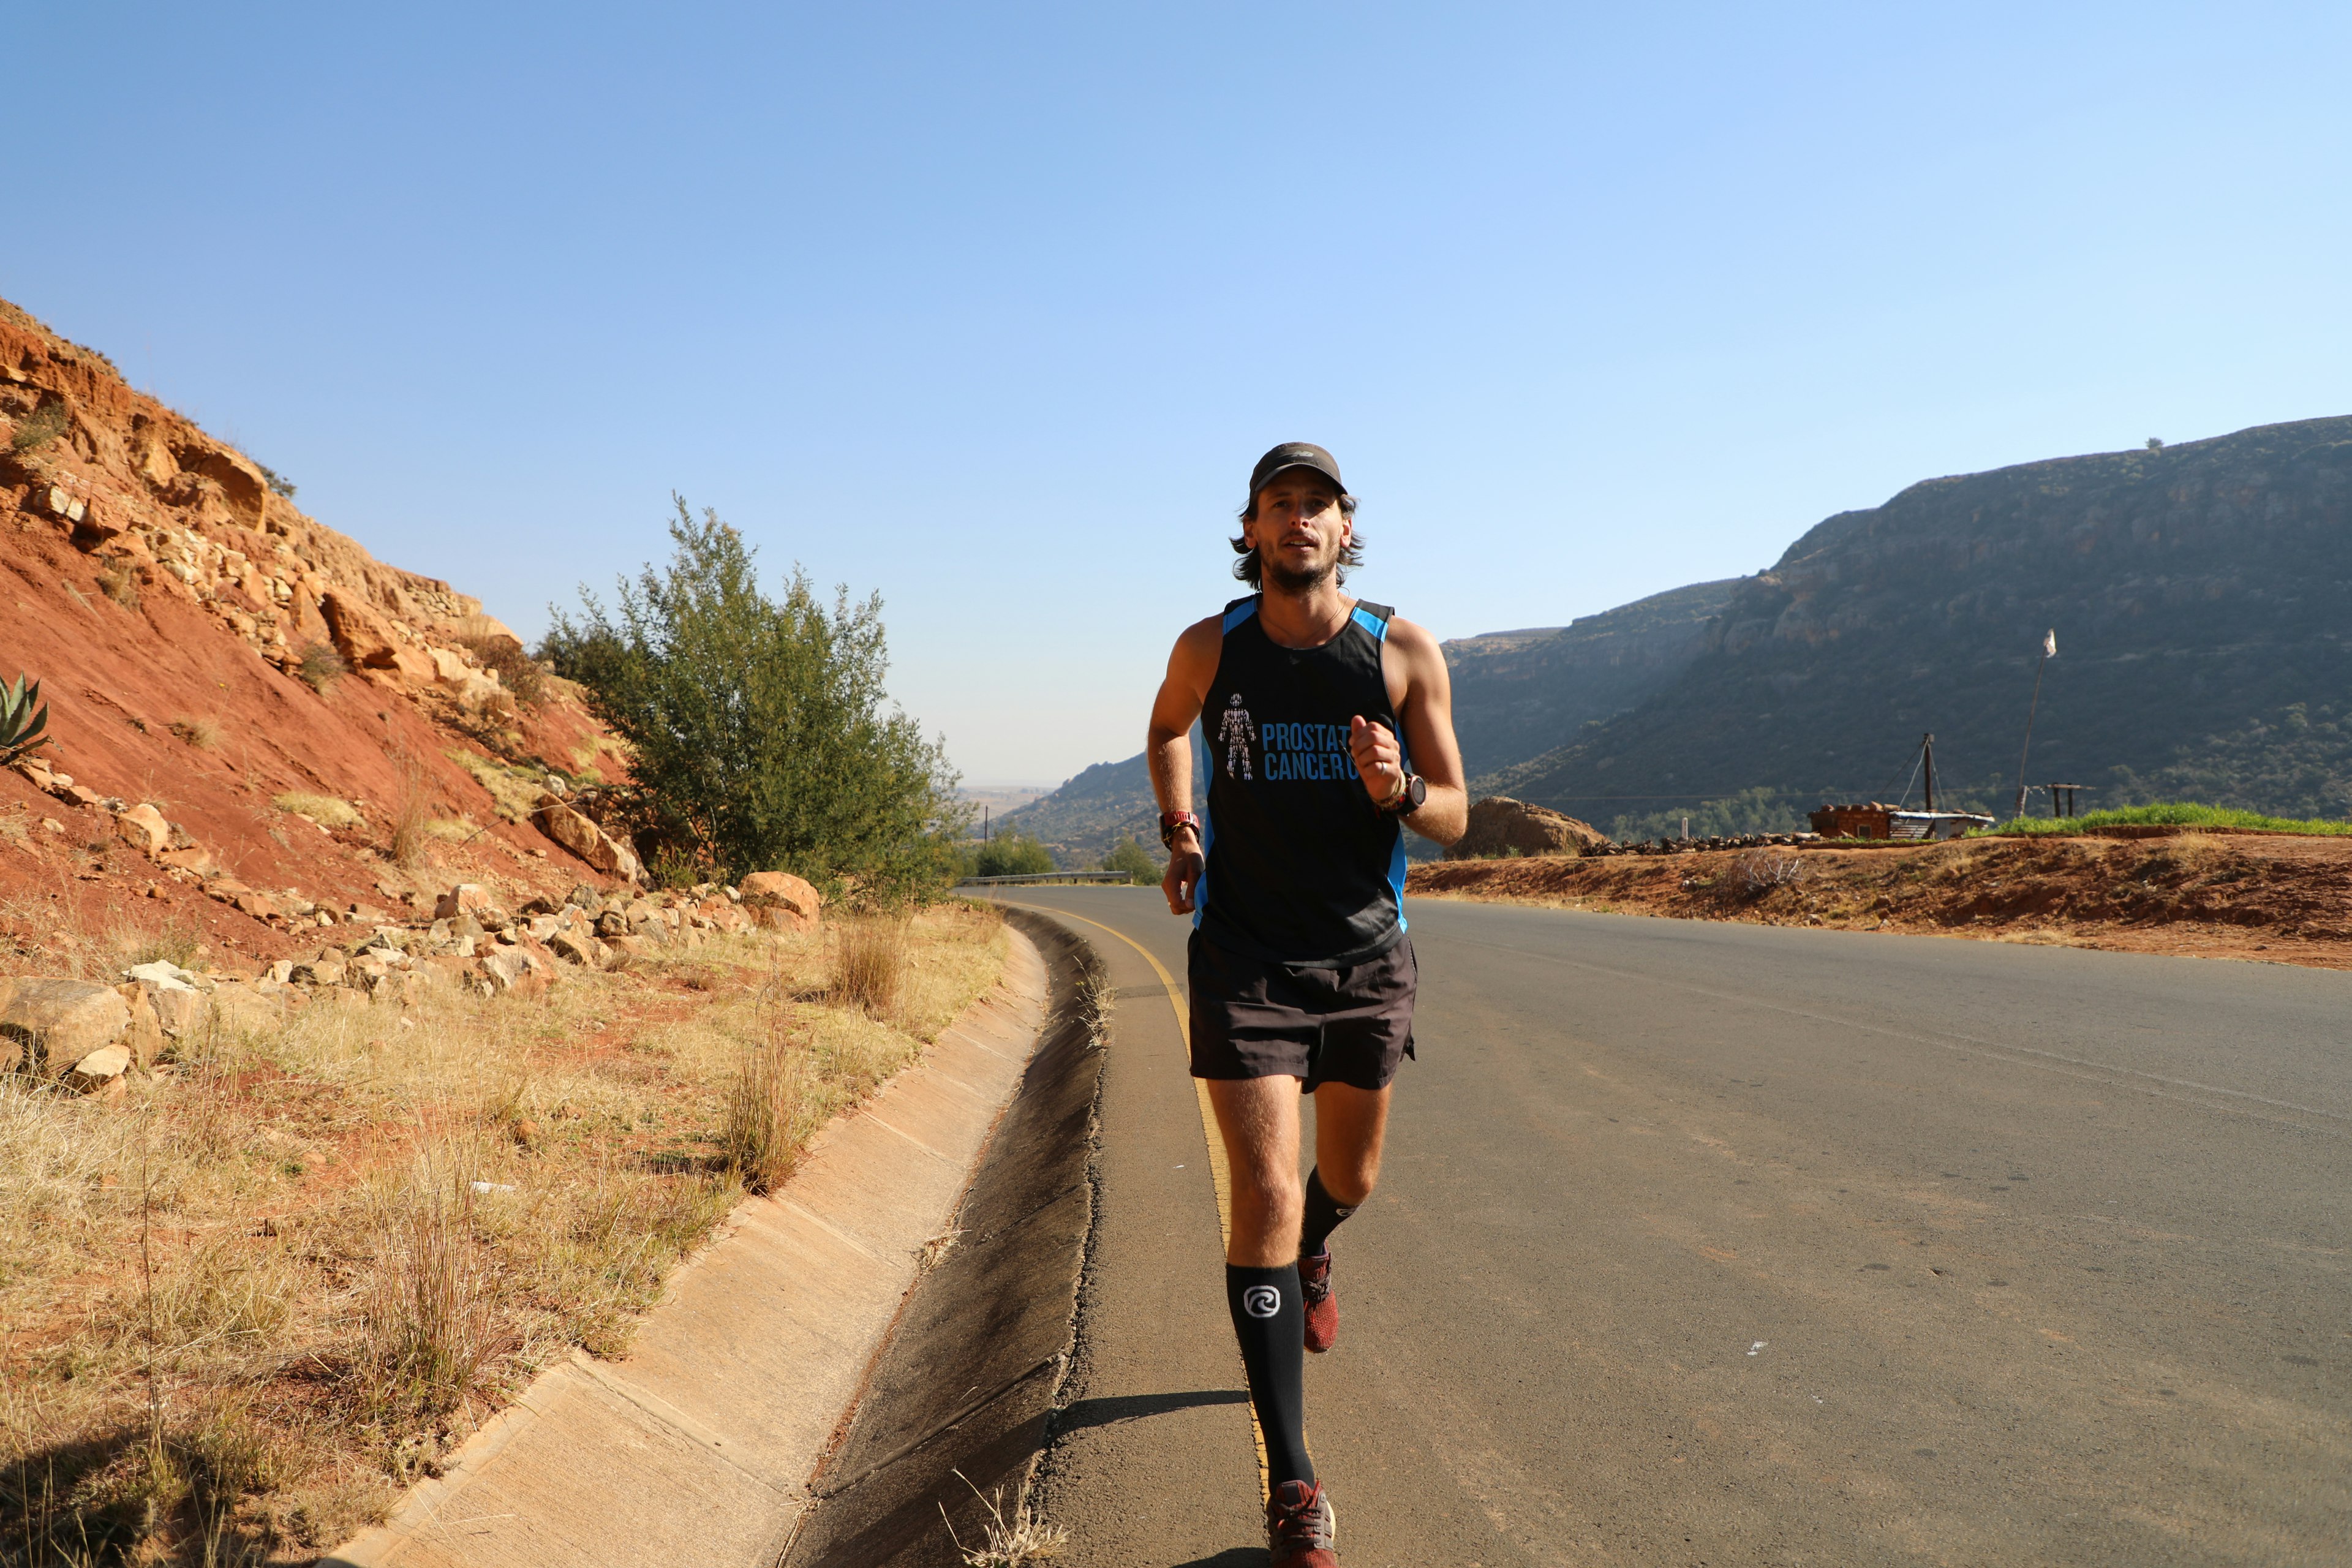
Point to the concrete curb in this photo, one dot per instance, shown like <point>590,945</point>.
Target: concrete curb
<point>961,1396</point>
<point>697,1448</point>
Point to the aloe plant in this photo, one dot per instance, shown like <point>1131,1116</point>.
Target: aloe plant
<point>23,718</point>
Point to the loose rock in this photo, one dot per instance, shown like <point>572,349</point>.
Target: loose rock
<point>1501,826</point>
<point>57,1020</point>
<point>782,901</point>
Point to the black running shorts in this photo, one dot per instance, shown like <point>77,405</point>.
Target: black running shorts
<point>1351,1024</point>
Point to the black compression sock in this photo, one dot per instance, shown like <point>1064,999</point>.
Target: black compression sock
<point>1323,1216</point>
<point>1271,1324</point>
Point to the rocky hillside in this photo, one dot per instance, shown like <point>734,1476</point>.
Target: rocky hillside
<point>253,725</point>
<point>1110,800</point>
<point>2201,595</point>
<point>1518,694</point>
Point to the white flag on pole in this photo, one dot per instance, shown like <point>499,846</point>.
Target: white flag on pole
<point>2050,643</point>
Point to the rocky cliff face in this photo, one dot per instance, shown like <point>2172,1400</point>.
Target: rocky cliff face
<point>167,596</point>
<point>2202,596</point>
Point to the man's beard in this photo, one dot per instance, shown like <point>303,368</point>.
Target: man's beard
<point>1297,584</point>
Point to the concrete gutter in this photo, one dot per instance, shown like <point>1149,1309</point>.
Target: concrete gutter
<point>961,1398</point>
<point>697,1448</point>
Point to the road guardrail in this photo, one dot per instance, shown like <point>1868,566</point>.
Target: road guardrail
<point>1041,876</point>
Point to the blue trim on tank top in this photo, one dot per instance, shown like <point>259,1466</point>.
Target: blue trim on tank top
<point>1371,623</point>
<point>1239,613</point>
<point>1396,880</point>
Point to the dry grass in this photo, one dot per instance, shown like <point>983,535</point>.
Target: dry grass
<point>323,810</point>
<point>336,1303</point>
<point>513,793</point>
<point>1757,872</point>
<point>174,941</point>
<point>869,968</point>
<point>318,666</point>
<point>430,1313</point>
<point>1011,1542</point>
<point>119,583</point>
<point>203,733</point>
<point>39,429</point>
<point>768,1107</point>
<point>411,813</point>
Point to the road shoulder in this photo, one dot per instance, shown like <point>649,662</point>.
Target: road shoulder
<point>697,1448</point>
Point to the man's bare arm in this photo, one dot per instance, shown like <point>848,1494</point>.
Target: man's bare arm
<point>1168,750</point>
<point>1422,694</point>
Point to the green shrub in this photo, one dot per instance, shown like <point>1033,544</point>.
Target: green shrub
<point>758,730</point>
<point>40,427</point>
<point>517,670</point>
<point>320,666</point>
<point>1012,855</point>
<point>2170,813</point>
<point>1132,857</point>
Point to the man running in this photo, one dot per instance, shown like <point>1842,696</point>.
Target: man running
<point>1301,976</point>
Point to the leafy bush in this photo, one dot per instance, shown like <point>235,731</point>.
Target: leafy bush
<point>521,673</point>
<point>757,727</point>
<point>279,483</point>
<point>675,869</point>
<point>2173,813</point>
<point>1012,855</point>
<point>1132,857</point>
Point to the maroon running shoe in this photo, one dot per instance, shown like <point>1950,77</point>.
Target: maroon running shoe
<point>1299,1525</point>
<point>1322,1307</point>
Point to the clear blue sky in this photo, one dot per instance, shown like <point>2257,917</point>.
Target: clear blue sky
<point>991,308</point>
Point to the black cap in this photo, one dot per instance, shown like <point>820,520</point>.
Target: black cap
<point>1294,455</point>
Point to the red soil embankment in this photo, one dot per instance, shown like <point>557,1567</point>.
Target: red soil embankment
<point>164,593</point>
<point>2267,897</point>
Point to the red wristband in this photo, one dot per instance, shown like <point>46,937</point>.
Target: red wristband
<point>1169,821</point>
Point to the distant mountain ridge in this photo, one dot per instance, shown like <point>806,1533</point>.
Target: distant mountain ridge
<point>1102,805</point>
<point>1517,694</point>
<point>2202,596</point>
<point>2202,600</point>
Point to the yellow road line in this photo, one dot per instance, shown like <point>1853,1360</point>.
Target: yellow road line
<point>1218,1171</point>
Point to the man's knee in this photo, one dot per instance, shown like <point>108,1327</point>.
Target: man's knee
<point>1275,1195</point>
<point>1350,1185</point>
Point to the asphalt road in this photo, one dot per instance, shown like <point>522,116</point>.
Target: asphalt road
<point>1721,1244</point>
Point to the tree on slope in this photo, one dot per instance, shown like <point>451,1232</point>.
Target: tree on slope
<point>759,734</point>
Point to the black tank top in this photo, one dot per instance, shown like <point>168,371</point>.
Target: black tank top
<point>1303,868</point>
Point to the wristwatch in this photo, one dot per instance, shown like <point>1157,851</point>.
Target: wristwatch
<point>1169,821</point>
<point>1408,799</point>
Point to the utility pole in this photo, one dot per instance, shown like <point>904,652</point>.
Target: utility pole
<point>2049,652</point>
<point>1928,765</point>
<point>983,825</point>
